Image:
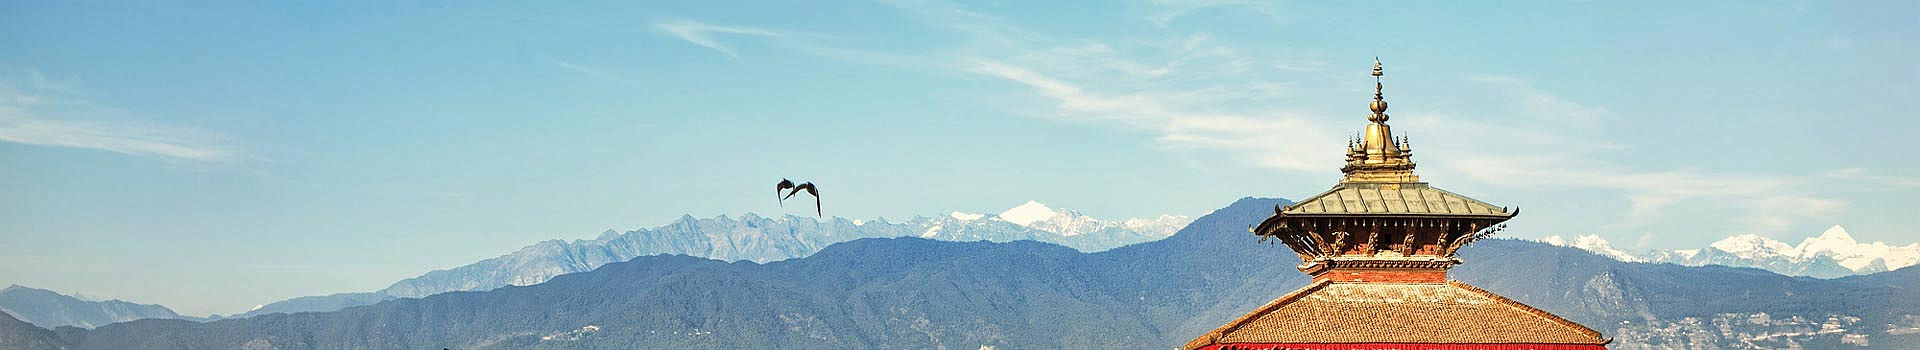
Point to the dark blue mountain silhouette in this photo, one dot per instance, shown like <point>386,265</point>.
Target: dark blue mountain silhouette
<point>909,293</point>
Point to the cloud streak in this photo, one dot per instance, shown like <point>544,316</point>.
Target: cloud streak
<point>1267,139</point>
<point>594,72</point>
<point>702,34</point>
<point>1199,95</point>
<point>1191,92</point>
<point>1172,10</point>
<point>1769,201</point>
<point>1542,105</point>
<point>32,119</point>
<point>1858,174</point>
<point>1533,151</point>
<point>1196,95</point>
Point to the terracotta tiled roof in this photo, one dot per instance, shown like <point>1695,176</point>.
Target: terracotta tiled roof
<point>1393,198</point>
<point>1408,313</point>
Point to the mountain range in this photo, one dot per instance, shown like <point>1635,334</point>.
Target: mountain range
<point>49,309</point>
<point>751,238</point>
<point>1833,253</point>
<point>924,294</point>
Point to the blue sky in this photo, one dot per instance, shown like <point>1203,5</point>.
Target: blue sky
<point>211,156</point>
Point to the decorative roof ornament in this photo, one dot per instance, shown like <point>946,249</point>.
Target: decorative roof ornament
<point>1380,216</point>
<point>1379,105</point>
<point>1378,157</point>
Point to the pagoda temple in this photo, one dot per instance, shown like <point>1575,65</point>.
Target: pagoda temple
<point>1378,246</point>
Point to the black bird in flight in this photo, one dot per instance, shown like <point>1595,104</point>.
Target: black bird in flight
<point>807,186</point>
<point>782,187</point>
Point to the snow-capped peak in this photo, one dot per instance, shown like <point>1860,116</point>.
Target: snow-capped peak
<point>967,216</point>
<point>1836,233</point>
<point>1687,253</point>
<point>1753,246</point>
<point>1068,223</point>
<point>1834,248</point>
<point>1834,240</point>
<point>1174,222</point>
<point>1839,245</point>
<point>1027,214</point>
<point>1595,244</point>
<point>84,297</point>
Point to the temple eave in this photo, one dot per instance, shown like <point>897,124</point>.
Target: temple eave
<point>1384,217</point>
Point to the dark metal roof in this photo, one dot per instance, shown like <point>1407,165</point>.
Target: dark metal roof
<point>1393,199</point>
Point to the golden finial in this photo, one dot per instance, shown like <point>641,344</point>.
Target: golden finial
<point>1377,156</point>
<point>1379,104</point>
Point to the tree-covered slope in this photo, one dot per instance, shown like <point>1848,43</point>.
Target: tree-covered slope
<point>910,293</point>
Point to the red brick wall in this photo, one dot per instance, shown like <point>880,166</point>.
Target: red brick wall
<point>1384,275</point>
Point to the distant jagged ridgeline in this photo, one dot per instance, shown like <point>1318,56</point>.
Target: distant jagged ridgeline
<point>917,293</point>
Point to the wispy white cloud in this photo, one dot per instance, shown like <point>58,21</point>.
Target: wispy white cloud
<point>1777,212</point>
<point>1769,201</point>
<point>984,31</point>
<point>1543,105</point>
<point>594,72</point>
<point>1271,139</point>
<point>1859,174</point>
<point>828,46</point>
<point>1645,240</point>
<point>702,34</point>
<point>1188,90</point>
<point>48,120</point>
<point>1170,10</point>
<point>1537,150</point>
<point>1194,93</point>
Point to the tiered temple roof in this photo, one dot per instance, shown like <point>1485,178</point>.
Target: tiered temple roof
<point>1379,245</point>
<point>1329,315</point>
<point>1404,199</point>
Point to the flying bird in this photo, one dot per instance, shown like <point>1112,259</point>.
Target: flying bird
<point>811,190</point>
<point>782,187</point>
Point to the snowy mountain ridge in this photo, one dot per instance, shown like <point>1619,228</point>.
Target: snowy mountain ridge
<point>751,237</point>
<point>1069,223</point>
<point>1594,244</point>
<point>1833,253</point>
<point>1027,213</point>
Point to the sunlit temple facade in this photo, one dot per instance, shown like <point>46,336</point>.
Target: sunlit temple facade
<point>1378,246</point>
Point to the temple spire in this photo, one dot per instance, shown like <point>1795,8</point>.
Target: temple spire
<point>1379,105</point>
<point>1379,245</point>
<point>1377,156</point>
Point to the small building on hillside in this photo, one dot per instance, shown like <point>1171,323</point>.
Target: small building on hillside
<point>1378,246</point>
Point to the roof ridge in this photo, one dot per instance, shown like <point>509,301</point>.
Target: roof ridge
<point>1395,200</point>
<point>1214,337</point>
<point>1470,200</point>
<point>1311,199</point>
<point>1536,312</point>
